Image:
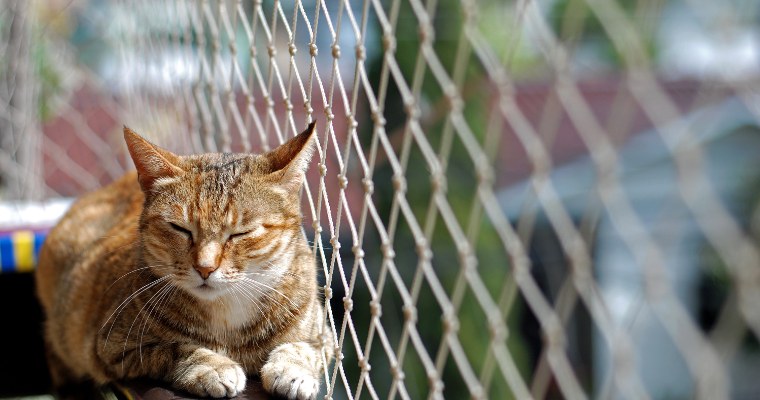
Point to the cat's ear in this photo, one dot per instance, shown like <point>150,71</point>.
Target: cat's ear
<point>152,162</point>
<point>287,163</point>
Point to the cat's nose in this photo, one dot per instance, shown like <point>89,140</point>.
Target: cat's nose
<point>205,271</point>
<point>208,259</point>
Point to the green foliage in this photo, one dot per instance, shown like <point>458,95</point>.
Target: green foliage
<point>523,61</point>
<point>461,194</point>
<point>568,16</point>
<point>48,75</point>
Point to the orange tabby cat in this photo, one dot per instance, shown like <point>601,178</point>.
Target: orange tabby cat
<point>194,270</point>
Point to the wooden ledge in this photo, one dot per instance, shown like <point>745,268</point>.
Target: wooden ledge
<point>152,390</point>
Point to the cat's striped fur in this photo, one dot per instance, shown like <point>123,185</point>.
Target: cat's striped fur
<point>194,270</point>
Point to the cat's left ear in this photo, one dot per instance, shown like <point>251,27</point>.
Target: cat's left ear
<point>287,163</point>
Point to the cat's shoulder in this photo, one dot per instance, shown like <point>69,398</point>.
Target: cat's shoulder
<point>98,212</point>
<point>96,223</point>
<point>123,196</point>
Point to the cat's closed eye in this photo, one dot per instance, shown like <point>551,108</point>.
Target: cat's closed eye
<point>238,235</point>
<point>182,230</point>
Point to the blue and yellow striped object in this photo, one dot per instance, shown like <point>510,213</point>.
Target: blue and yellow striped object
<point>19,250</point>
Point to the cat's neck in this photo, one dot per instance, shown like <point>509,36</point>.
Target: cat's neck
<point>229,313</point>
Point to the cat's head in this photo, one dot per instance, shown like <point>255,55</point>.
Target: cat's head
<point>215,222</point>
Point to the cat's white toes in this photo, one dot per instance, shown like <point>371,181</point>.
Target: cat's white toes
<point>290,381</point>
<point>227,380</point>
<point>233,380</point>
<point>308,388</point>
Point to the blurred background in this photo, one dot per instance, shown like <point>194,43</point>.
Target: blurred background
<point>539,199</point>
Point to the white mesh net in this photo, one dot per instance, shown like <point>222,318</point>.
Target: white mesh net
<point>524,199</point>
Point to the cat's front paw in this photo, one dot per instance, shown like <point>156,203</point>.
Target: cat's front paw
<point>215,376</point>
<point>290,381</point>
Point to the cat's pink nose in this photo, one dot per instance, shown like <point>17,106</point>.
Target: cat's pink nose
<point>208,258</point>
<point>205,271</point>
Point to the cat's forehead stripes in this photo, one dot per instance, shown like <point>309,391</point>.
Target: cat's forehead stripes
<point>224,168</point>
<point>229,218</point>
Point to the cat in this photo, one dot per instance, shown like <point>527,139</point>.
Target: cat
<point>194,270</point>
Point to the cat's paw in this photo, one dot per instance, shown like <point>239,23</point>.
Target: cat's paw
<point>290,381</point>
<point>217,377</point>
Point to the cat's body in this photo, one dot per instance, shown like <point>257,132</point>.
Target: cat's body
<point>196,272</point>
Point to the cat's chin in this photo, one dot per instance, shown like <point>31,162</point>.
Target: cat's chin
<point>205,292</point>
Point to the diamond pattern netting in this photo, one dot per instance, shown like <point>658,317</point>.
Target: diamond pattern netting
<point>19,168</point>
<point>429,274</point>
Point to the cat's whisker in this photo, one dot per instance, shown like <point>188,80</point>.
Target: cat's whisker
<point>165,298</point>
<point>255,294</point>
<point>263,293</point>
<point>270,264</point>
<point>150,310</point>
<point>114,236</point>
<point>297,240</point>
<point>135,294</point>
<point>287,251</point>
<point>147,322</point>
<point>257,282</point>
<point>308,242</point>
<point>122,306</point>
<point>271,273</point>
<point>253,281</point>
<point>253,300</point>
<point>118,248</point>
<point>232,292</point>
<point>146,314</point>
<point>161,268</point>
<point>228,292</point>
<point>169,297</point>
<point>221,301</point>
<point>133,271</point>
<point>276,269</point>
<point>248,295</point>
<point>236,292</point>
<point>150,300</point>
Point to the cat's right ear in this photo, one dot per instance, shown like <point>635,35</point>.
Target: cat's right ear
<point>152,162</point>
